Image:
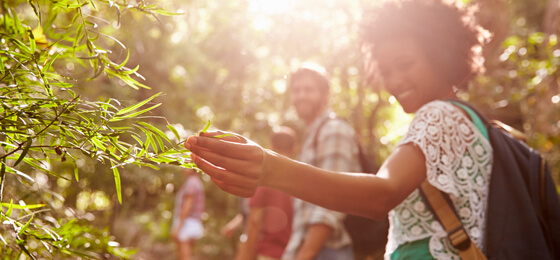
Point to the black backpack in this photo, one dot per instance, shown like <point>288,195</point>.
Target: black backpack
<point>368,236</point>
<point>523,217</point>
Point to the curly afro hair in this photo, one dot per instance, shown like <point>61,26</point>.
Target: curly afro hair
<point>446,32</point>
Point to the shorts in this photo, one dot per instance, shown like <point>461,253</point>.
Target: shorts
<point>191,230</point>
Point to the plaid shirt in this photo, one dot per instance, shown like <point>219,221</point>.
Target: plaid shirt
<point>336,150</point>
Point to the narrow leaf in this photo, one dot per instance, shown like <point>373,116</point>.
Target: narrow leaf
<point>10,208</point>
<point>78,35</point>
<point>37,13</point>
<point>33,206</point>
<point>136,106</point>
<point>25,226</point>
<point>118,183</point>
<point>50,62</point>
<point>2,67</point>
<point>155,130</point>
<point>32,44</point>
<point>134,114</point>
<point>24,152</point>
<point>205,128</point>
<point>170,127</point>
<point>76,173</point>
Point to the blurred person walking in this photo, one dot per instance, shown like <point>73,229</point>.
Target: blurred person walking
<point>269,223</point>
<point>319,233</point>
<point>189,205</point>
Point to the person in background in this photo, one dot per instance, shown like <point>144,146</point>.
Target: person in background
<point>423,51</point>
<point>269,223</point>
<point>189,205</point>
<point>319,233</point>
<point>238,221</point>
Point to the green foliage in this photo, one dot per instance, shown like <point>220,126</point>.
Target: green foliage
<point>45,122</point>
<point>521,89</point>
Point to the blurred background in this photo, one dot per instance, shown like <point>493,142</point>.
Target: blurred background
<point>227,62</point>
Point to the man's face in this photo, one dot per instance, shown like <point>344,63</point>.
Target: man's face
<point>308,98</point>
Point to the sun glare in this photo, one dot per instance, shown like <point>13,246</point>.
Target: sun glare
<point>261,10</point>
<point>269,6</point>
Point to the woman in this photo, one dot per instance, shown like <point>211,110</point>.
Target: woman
<point>189,205</point>
<point>423,50</point>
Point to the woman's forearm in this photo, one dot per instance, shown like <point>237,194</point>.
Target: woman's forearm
<point>345,192</point>
<point>361,194</point>
<point>239,167</point>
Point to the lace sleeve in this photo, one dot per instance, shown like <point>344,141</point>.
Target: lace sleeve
<point>451,145</point>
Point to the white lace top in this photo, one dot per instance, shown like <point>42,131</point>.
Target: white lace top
<point>458,162</point>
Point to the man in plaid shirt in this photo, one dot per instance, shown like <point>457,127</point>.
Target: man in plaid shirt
<point>318,233</point>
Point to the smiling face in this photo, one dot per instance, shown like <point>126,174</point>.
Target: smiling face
<point>309,98</point>
<point>409,75</point>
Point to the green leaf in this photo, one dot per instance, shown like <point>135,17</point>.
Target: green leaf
<point>205,128</point>
<point>49,64</point>
<point>150,141</point>
<point>144,147</point>
<point>147,165</point>
<point>17,172</point>
<point>2,67</point>
<point>8,144</point>
<point>3,239</point>
<point>125,60</point>
<point>32,44</point>
<point>10,207</point>
<point>76,173</point>
<point>155,130</point>
<point>136,106</point>
<point>37,13</point>
<point>220,136</point>
<point>127,71</point>
<point>21,46</point>
<point>25,226</point>
<point>24,152</point>
<point>33,164</point>
<point>97,143</point>
<point>163,12</point>
<point>117,182</point>
<point>33,206</point>
<point>78,35</point>
<point>160,143</point>
<point>118,118</point>
<point>170,127</point>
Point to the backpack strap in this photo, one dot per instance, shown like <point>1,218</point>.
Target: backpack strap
<point>451,223</point>
<point>475,119</point>
<point>366,164</point>
<point>316,136</point>
<point>443,210</point>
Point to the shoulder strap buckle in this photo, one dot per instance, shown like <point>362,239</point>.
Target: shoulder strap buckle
<point>459,238</point>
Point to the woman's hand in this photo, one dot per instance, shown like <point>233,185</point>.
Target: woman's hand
<point>234,163</point>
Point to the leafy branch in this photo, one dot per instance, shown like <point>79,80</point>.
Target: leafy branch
<point>42,119</point>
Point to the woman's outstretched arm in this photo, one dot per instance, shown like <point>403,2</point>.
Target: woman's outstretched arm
<point>239,166</point>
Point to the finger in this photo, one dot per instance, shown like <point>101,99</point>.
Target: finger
<point>244,151</point>
<point>238,191</point>
<point>248,168</point>
<point>245,192</point>
<point>223,176</point>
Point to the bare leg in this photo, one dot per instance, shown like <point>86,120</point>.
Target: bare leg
<point>185,249</point>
